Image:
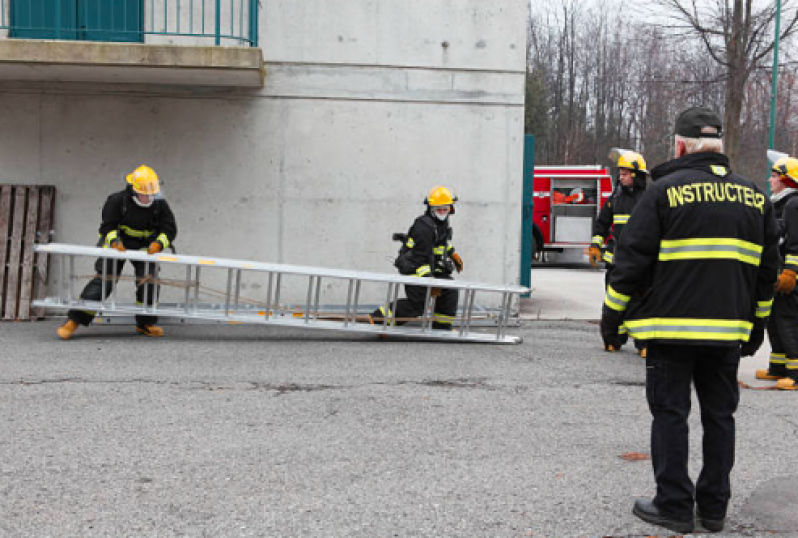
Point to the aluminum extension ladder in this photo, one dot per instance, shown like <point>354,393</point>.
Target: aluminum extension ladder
<point>269,310</point>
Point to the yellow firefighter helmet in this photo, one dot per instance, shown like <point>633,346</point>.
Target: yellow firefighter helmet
<point>440,196</point>
<point>787,166</point>
<point>625,158</point>
<point>144,180</point>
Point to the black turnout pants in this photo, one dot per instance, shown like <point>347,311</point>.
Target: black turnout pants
<point>670,372</point>
<point>95,291</point>
<point>783,331</point>
<point>413,306</point>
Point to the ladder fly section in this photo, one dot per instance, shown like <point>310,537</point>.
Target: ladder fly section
<point>269,294</point>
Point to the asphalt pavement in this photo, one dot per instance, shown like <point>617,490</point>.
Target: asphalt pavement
<point>258,431</point>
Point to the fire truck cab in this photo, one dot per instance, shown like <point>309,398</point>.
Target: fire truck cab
<point>567,200</point>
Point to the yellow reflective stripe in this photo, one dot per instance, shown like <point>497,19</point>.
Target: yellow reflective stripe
<point>710,248</point>
<point>135,233</point>
<point>112,236</point>
<point>616,301</point>
<point>450,247</point>
<point>441,318</point>
<point>792,364</point>
<point>791,262</point>
<point>719,170</point>
<point>410,243</point>
<point>163,240</point>
<point>620,219</point>
<point>388,315</point>
<point>778,358</point>
<point>608,256</point>
<point>623,329</point>
<point>440,251</point>
<point>763,308</point>
<point>690,329</point>
<point>597,239</point>
<point>423,270</point>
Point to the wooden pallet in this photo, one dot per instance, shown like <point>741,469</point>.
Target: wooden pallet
<point>26,219</point>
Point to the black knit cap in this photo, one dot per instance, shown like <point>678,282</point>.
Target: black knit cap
<point>691,121</point>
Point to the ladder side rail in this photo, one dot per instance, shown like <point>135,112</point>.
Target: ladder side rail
<point>263,267</point>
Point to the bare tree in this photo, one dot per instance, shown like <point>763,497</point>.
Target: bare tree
<point>737,37</point>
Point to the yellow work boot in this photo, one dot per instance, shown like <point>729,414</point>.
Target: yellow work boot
<point>643,352</point>
<point>67,330</point>
<point>787,383</point>
<point>767,375</point>
<point>150,330</point>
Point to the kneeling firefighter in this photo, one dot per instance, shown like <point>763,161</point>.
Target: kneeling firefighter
<point>427,252</point>
<point>136,218</point>
<point>615,213</point>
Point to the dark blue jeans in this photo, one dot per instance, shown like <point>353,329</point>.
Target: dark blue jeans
<point>671,370</point>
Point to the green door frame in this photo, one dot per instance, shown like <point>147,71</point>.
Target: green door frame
<point>527,203</point>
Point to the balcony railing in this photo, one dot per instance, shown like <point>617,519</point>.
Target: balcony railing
<point>200,22</point>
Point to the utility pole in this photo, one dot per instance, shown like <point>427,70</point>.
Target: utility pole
<point>774,87</point>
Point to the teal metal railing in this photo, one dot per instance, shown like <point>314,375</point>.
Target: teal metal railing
<point>218,22</point>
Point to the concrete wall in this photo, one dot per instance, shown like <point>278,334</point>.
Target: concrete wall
<point>363,111</point>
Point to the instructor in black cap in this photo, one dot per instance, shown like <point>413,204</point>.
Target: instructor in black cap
<point>700,250</point>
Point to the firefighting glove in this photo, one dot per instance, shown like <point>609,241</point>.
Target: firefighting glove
<point>435,292</point>
<point>786,282</point>
<point>458,262</point>
<point>155,247</point>
<point>749,348</point>
<point>594,255</point>
<point>611,321</point>
<point>117,244</point>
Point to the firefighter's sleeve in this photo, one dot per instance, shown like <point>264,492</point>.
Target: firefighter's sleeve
<point>790,233</point>
<point>167,227</point>
<point>422,239</point>
<point>601,228</point>
<point>636,252</point>
<point>111,217</point>
<point>769,262</point>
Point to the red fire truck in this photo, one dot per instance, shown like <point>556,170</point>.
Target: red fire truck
<point>567,200</point>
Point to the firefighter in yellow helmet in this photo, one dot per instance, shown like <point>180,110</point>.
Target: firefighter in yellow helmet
<point>136,218</point>
<point>783,321</point>
<point>632,178</point>
<point>427,252</point>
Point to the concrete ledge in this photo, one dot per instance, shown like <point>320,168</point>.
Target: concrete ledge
<point>78,61</point>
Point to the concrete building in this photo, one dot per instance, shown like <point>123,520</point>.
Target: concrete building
<point>309,148</point>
